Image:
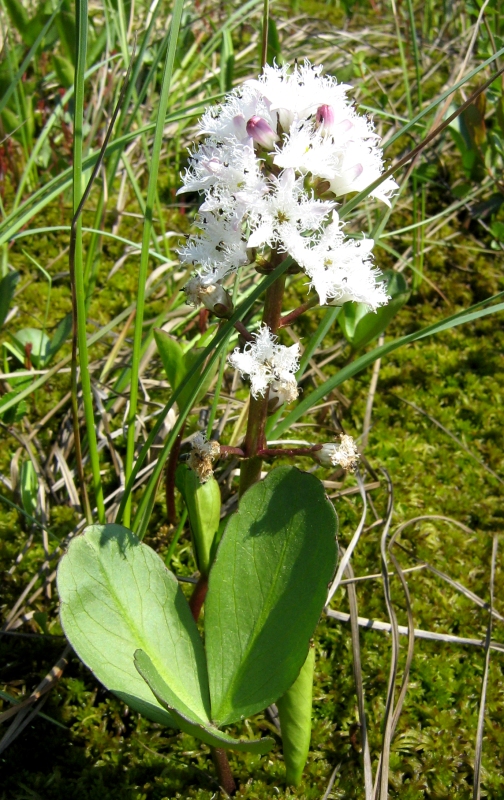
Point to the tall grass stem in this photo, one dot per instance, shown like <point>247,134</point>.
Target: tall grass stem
<point>144,258</point>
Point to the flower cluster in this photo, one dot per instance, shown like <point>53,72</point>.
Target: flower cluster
<point>269,365</point>
<point>277,154</point>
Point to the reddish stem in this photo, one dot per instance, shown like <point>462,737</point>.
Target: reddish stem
<point>269,452</point>
<point>219,756</point>
<point>226,780</point>
<point>250,471</point>
<point>288,318</point>
<point>227,450</point>
<point>240,327</point>
<point>198,596</point>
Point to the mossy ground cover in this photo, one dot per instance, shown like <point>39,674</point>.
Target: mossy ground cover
<point>436,429</point>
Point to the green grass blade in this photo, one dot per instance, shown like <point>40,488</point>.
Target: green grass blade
<point>144,259</point>
<point>27,60</point>
<point>77,268</point>
<point>469,315</point>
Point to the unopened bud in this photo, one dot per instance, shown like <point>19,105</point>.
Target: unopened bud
<point>326,120</point>
<point>213,297</point>
<point>325,117</point>
<point>262,133</point>
<point>344,454</point>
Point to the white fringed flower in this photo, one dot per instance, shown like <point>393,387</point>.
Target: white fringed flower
<point>287,207</point>
<point>344,454</point>
<point>219,249</point>
<point>228,121</point>
<point>340,269</point>
<point>268,363</point>
<point>298,92</point>
<point>266,145</point>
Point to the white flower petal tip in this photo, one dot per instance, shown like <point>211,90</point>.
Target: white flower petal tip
<point>344,454</point>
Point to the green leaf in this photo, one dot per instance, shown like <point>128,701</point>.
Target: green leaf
<point>28,487</point>
<point>118,597</point>
<point>172,356</point>
<point>60,336</point>
<point>7,288</point>
<point>177,365</point>
<point>13,413</point>
<point>295,710</point>
<point>64,70</point>
<point>188,723</point>
<point>203,502</point>
<point>360,326</point>
<point>267,589</point>
<point>31,342</point>
<point>19,18</point>
<point>65,23</point>
<point>226,62</point>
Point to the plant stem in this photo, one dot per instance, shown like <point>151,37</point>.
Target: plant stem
<point>250,471</point>
<point>240,327</point>
<point>224,774</point>
<point>270,452</point>
<point>198,596</point>
<point>314,301</point>
<point>219,756</point>
<point>264,37</point>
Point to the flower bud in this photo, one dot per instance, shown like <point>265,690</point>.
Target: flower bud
<point>344,454</point>
<point>262,133</point>
<point>326,120</point>
<point>325,117</point>
<point>214,297</point>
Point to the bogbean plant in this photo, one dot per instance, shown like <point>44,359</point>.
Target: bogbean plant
<point>277,155</point>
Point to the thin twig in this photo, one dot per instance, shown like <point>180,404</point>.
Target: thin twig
<point>478,750</point>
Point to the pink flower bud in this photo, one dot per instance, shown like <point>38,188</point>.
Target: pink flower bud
<point>262,133</point>
<point>326,120</point>
<point>325,117</point>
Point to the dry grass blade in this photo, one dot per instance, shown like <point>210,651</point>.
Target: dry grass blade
<point>67,476</point>
<point>371,395</point>
<point>432,636</point>
<point>478,752</point>
<point>459,587</point>
<point>411,640</point>
<point>331,782</point>
<point>351,547</point>
<point>24,712</point>
<point>381,786</point>
<point>357,669</point>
